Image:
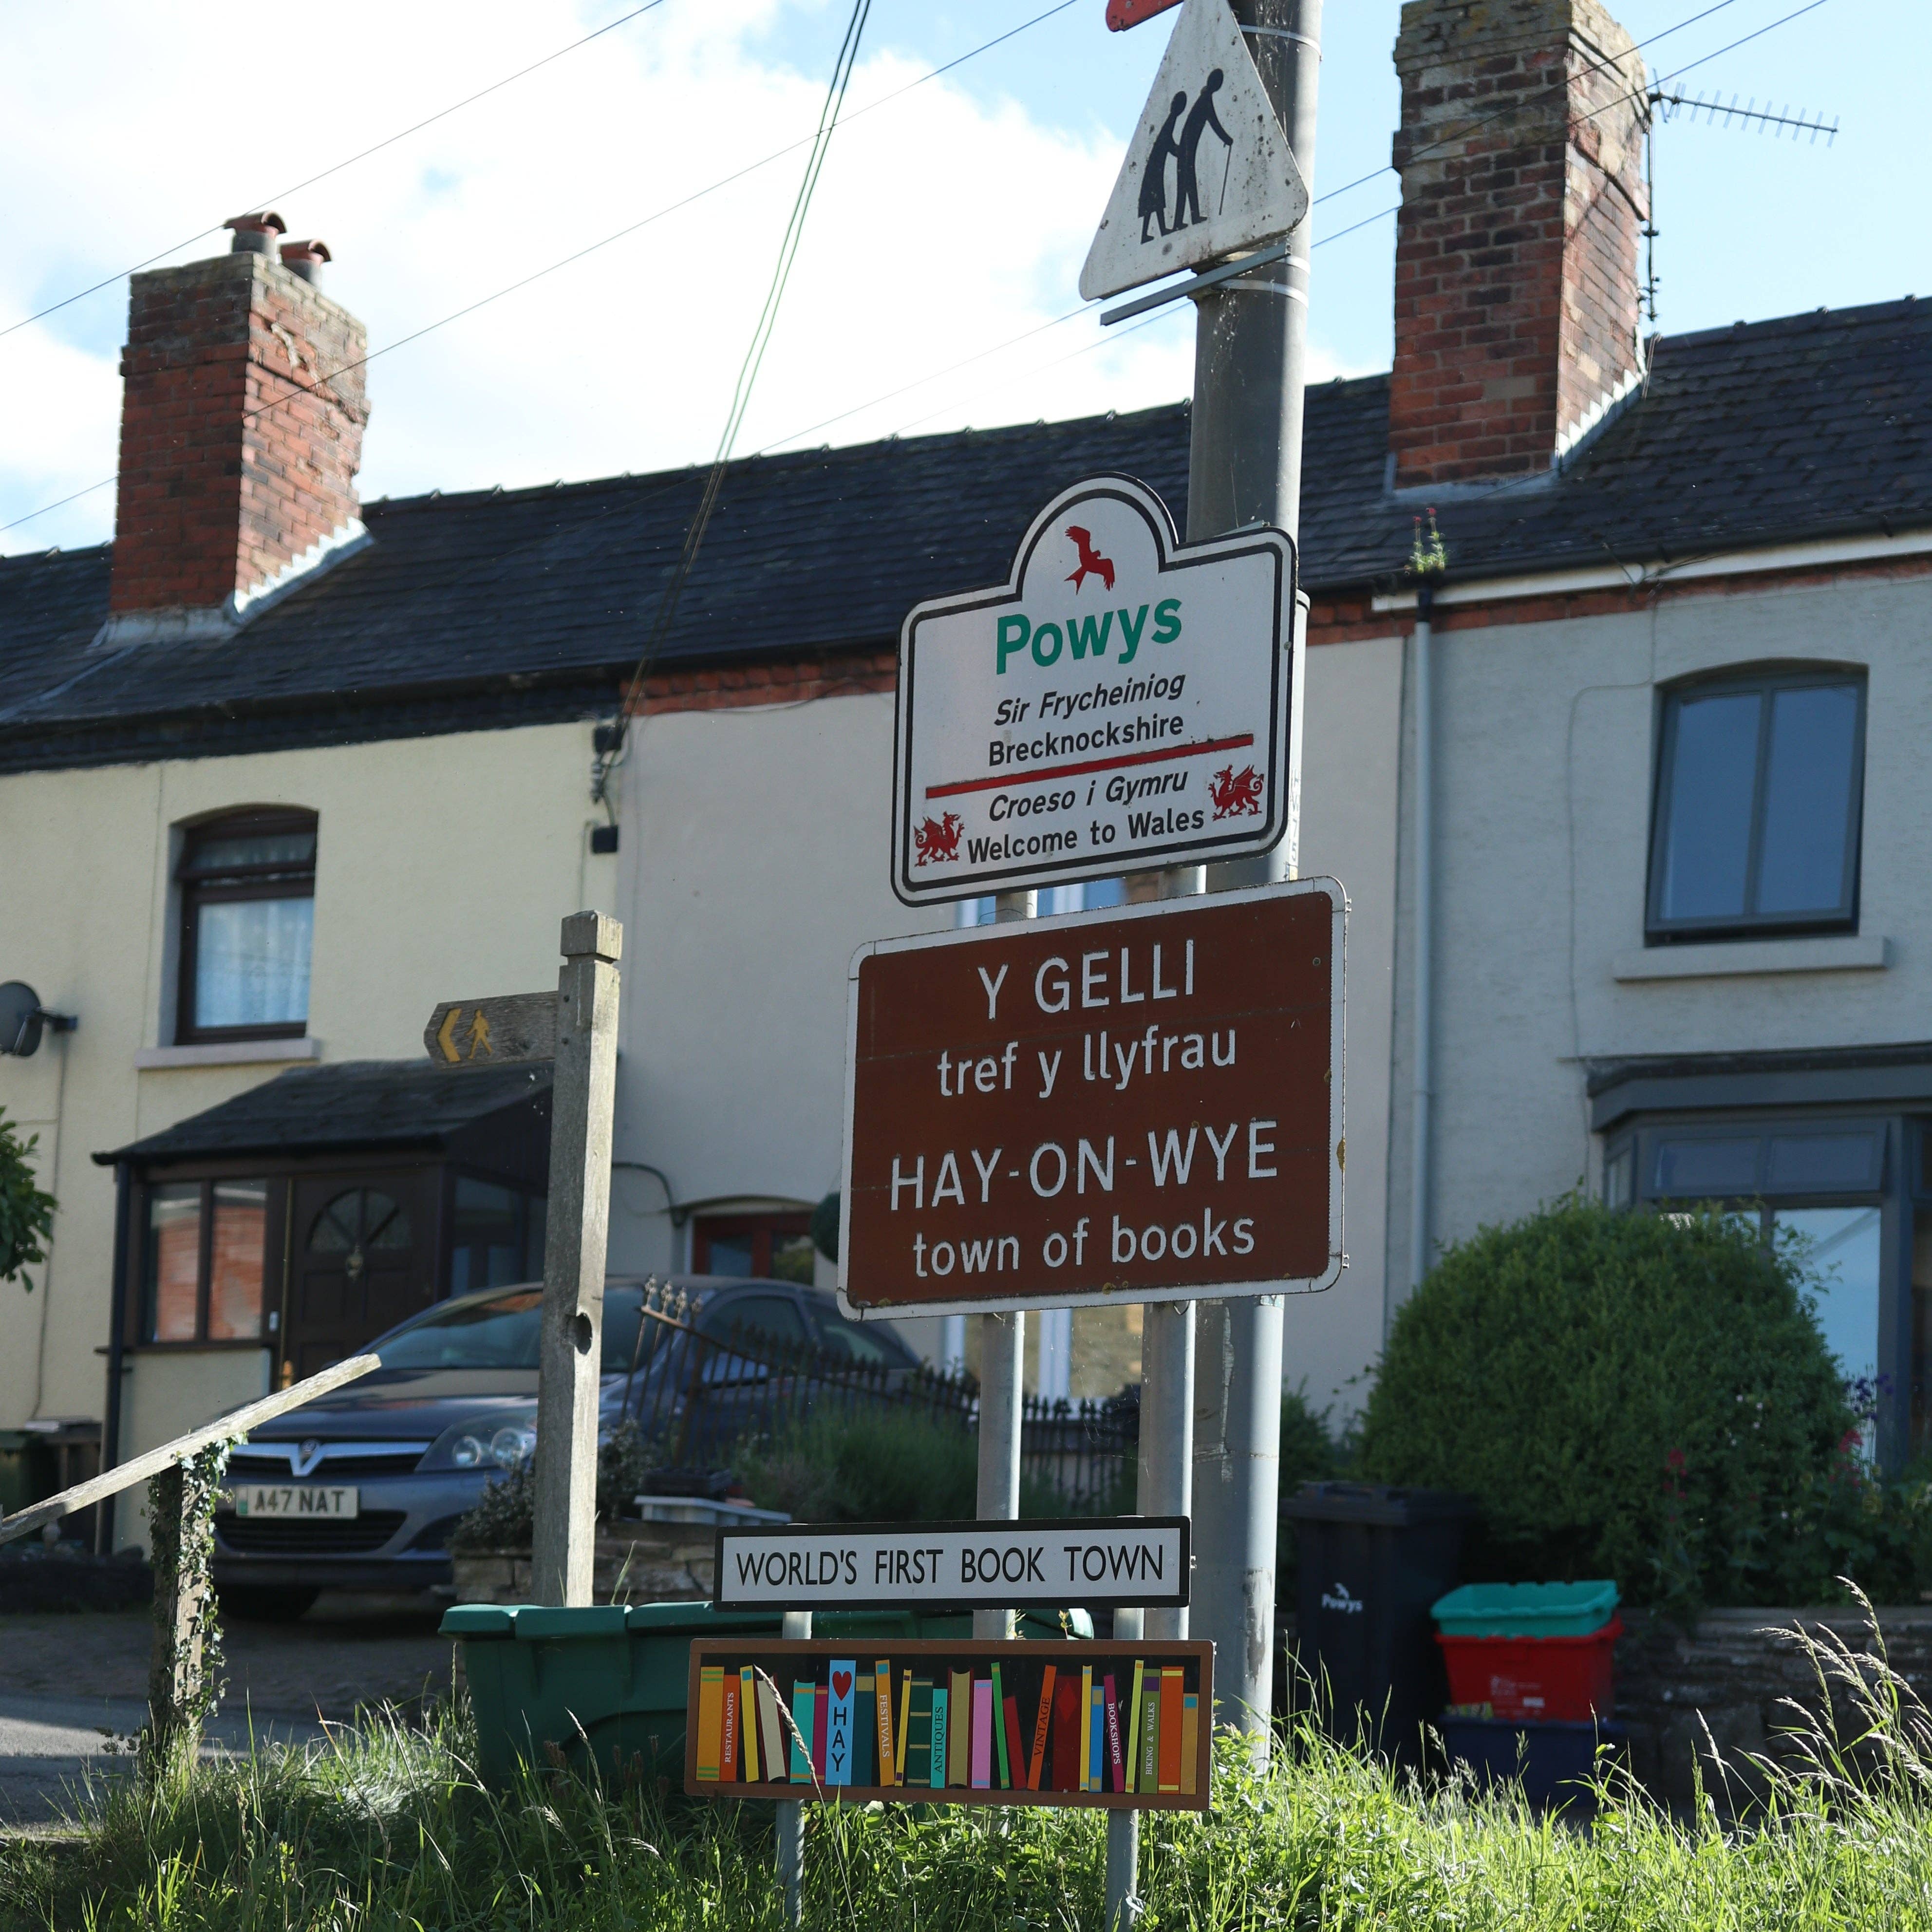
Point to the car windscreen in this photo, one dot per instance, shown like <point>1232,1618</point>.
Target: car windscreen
<point>502,1333</point>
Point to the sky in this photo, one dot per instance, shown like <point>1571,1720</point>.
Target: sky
<point>935,284</point>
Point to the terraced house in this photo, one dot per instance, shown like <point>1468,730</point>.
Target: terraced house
<point>1629,810</point>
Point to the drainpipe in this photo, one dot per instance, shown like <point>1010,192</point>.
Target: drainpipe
<point>117,1306</point>
<point>1425,893</point>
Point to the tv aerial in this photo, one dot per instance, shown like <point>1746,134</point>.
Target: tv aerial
<point>1666,105</point>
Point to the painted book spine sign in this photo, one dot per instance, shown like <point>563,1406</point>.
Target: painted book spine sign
<point>772,1732</point>
<point>882,1679</point>
<point>937,1751</point>
<point>710,1721</point>
<point>1077,1722</point>
<point>838,1722</point>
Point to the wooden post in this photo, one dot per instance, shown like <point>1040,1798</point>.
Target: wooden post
<point>180,1505</point>
<point>570,1349</point>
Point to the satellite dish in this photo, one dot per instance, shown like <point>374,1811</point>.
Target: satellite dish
<point>20,1017</point>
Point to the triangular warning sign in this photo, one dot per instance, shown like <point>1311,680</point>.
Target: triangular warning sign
<point>1208,172</point>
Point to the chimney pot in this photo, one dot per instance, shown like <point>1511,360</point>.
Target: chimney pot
<point>305,259</point>
<point>255,234</point>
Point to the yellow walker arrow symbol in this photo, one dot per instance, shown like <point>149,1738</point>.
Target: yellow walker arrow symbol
<point>512,1027</point>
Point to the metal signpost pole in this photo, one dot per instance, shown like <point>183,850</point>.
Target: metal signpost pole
<point>570,1344</point>
<point>1244,466</point>
<point>794,1627</point>
<point>1002,1386</point>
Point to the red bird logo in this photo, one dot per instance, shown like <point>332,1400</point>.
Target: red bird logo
<point>1092,563</point>
<point>1234,792</point>
<point>938,840</point>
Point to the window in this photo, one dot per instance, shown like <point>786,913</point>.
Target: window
<point>359,1218</point>
<point>496,1236</point>
<point>870,1342</point>
<point>206,1249</point>
<point>775,1246</point>
<point>1760,786</point>
<point>247,901</point>
<point>1093,896</point>
<point>730,1317</point>
<point>1789,1181</point>
<point>505,1332</point>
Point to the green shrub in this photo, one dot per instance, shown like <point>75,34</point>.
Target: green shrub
<point>1310,1454</point>
<point>876,1465</point>
<point>1632,1395</point>
<point>504,1517</point>
<point>26,1209</point>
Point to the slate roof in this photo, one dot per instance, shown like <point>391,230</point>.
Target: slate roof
<point>356,1104</point>
<point>508,606</point>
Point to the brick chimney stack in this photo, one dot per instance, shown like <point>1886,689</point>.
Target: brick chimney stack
<point>242,420</point>
<point>1517,307</point>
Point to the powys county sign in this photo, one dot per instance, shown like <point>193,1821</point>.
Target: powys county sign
<point>1122,703</point>
<point>954,1565</point>
<point>1145,1102</point>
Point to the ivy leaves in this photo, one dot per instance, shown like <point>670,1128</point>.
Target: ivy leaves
<point>26,1209</point>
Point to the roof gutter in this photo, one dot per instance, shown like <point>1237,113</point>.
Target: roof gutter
<point>1826,553</point>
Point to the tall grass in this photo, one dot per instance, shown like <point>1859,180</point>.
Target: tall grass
<point>388,1829</point>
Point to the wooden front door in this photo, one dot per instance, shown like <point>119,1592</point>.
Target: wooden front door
<point>363,1259</point>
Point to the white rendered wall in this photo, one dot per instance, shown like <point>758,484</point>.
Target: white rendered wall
<point>1544,752</point>
<point>754,864</point>
<point>444,867</point>
<point>1349,788</point>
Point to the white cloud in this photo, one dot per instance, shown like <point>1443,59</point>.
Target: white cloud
<point>944,223</point>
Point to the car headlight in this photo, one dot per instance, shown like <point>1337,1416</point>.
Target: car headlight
<point>467,1452</point>
<point>510,1448</point>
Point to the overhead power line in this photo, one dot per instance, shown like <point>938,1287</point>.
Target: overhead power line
<point>388,141</point>
<point>1559,87</point>
<point>578,255</point>
<point>754,356</point>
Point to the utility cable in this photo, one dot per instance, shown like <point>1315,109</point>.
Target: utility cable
<point>754,355</point>
<point>565,262</point>
<point>389,141</point>
<point>1158,315</point>
<point>1560,87</point>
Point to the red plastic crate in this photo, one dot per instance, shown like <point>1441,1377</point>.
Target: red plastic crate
<point>1566,1678</point>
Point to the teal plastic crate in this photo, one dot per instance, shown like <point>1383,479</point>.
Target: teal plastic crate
<point>1526,1610</point>
<point>602,1687</point>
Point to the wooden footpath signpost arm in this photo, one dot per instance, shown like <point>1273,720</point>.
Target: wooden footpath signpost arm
<point>570,1349</point>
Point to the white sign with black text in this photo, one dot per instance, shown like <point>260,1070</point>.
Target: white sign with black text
<point>1208,172</point>
<point>1123,701</point>
<point>1092,1562</point>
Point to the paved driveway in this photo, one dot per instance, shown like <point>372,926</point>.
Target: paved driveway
<point>68,1680</point>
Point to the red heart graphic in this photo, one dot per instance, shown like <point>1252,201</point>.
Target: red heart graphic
<point>841,1682</point>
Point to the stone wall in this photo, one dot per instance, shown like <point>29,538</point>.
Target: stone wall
<point>633,1563</point>
<point>1712,1699</point>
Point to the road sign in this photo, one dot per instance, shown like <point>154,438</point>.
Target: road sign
<point>958,1566</point>
<point>493,1033</point>
<point>1208,171</point>
<point>1143,1104</point>
<point>1121,703</point>
<point>1122,14</point>
<point>1120,1725</point>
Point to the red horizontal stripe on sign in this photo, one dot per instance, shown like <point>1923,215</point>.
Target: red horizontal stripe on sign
<point>1200,749</point>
